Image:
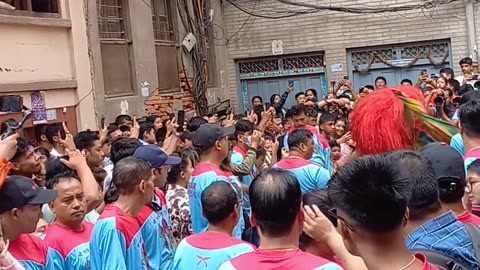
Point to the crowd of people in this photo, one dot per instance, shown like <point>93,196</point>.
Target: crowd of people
<point>272,188</point>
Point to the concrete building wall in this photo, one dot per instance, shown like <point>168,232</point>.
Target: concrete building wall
<point>48,54</point>
<point>334,32</point>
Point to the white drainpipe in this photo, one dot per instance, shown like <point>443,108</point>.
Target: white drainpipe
<point>471,34</point>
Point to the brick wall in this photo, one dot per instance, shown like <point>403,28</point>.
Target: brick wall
<point>334,32</point>
<point>161,103</point>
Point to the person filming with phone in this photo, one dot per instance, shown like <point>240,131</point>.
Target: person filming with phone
<point>468,77</point>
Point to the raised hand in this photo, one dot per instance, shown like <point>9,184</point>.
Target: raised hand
<point>76,160</point>
<point>68,143</point>
<point>135,131</point>
<point>8,146</point>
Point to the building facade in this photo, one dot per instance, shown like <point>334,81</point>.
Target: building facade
<point>44,58</point>
<point>320,47</point>
<point>140,66</point>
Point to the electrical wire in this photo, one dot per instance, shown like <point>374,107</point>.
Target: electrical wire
<point>243,24</point>
<point>296,8</point>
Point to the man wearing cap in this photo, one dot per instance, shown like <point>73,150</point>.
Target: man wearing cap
<point>20,210</point>
<point>211,142</point>
<point>450,173</point>
<point>156,225</point>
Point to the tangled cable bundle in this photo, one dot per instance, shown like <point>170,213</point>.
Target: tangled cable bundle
<point>379,123</point>
<point>293,8</point>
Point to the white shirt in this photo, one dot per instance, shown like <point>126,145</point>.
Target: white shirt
<point>460,80</point>
<point>55,153</point>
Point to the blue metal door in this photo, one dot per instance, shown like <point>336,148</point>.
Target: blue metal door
<point>265,77</point>
<point>265,88</point>
<point>397,62</point>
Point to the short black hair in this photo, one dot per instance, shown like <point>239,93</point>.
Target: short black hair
<point>327,117</point>
<point>152,118</point>
<point>85,140</point>
<point>466,60</point>
<point>333,143</point>
<point>260,152</point>
<point>297,110</point>
<point>321,199</point>
<point>257,97</point>
<point>195,122</point>
<point>122,118</point>
<point>298,136</point>
<point>43,151</point>
<point>275,199</point>
<point>373,192</point>
<point>368,86</point>
<point>455,85</point>
<point>55,167</point>
<point>128,173</point>
<point>145,127</point>
<point>111,129</point>
<point>39,131</point>
<point>462,90</point>
<point>51,183</point>
<point>22,148</point>
<point>469,96</point>
<point>469,117</point>
<point>406,81</point>
<point>243,126</point>
<point>314,92</point>
<point>447,70</point>
<point>53,130</point>
<point>122,148</point>
<point>310,111</point>
<point>299,94</point>
<point>218,201</point>
<point>381,78</point>
<point>425,194</point>
<point>474,167</point>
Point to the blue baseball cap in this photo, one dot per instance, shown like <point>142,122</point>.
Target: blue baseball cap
<point>155,156</point>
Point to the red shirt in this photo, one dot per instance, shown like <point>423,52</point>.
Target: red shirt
<point>279,260</point>
<point>467,217</point>
<point>64,240</point>
<point>426,264</point>
<point>29,250</point>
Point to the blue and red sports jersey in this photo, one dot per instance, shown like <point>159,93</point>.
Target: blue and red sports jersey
<point>158,246</point>
<point>321,152</point>
<point>310,175</point>
<point>72,246</point>
<point>203,176</point>
<point>33,254</point>
<point>208,250</point>
<point>279,260</point>
<point>117,243</point>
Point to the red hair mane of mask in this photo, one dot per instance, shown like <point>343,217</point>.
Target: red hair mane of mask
<point>378,122</point>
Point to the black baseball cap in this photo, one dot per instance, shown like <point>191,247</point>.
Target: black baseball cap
<point>20,191</point>
<point>155,156</point>
<point>207,135</point>
<point>446,161</point>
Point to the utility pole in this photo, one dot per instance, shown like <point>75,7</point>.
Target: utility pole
<point>471,33</point>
